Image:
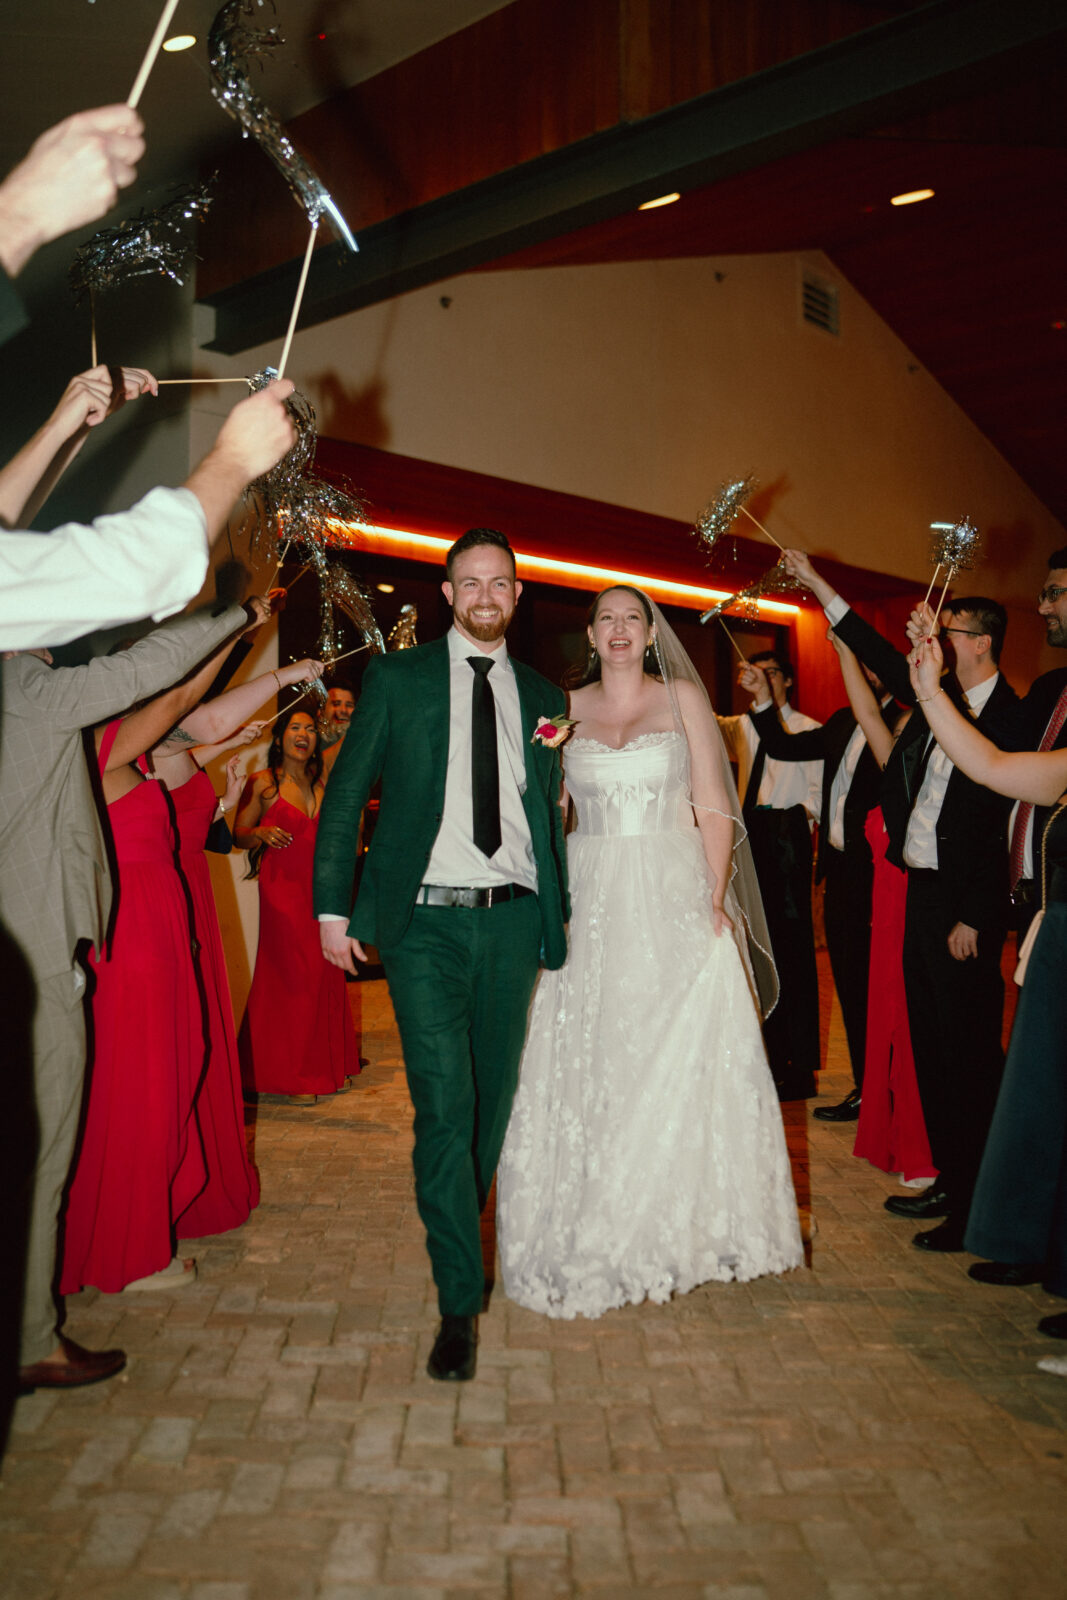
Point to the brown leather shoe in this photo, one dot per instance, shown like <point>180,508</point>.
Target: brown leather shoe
<point>80,1368</point>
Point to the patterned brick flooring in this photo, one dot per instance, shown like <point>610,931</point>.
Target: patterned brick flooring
<point>873,1428</point>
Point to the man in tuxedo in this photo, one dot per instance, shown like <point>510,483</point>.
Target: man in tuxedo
<point>851,786</point>
<point>463,892</point>
<point>1044,711</point>
<point>779,802</point>
<point>951,835</point>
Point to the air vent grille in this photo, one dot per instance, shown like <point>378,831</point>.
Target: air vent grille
<point>819,303</point>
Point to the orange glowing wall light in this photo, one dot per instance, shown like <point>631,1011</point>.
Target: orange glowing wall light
<point>570,574</point>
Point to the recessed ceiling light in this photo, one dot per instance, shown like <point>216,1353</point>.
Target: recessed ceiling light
<point>912,197</point>
<point>179,41</point>
<point>663,200</point>
<point>385,588</point>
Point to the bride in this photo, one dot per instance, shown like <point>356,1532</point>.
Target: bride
<point>645,1152</point>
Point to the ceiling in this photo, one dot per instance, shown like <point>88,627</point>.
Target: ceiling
<point>974,282</point>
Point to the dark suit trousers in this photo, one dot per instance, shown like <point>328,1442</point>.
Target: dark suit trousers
<point>460,983</point>
<point>781,850</point>
<point>955,1010</point>
<point>849,879</point>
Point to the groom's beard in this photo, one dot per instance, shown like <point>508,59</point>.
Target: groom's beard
<point>485,629</point>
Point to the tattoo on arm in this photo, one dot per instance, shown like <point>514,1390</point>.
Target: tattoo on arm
<point>178,735</point>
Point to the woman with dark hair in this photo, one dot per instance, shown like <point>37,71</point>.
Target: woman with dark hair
<point>316,1051</point>
<point>645,1152</point>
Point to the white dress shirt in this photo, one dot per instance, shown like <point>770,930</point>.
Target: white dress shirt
<point>920,841</point>
<point>842,784</point>
<point>455,859</point>
<point>148,561</point>
<point>784,783</point>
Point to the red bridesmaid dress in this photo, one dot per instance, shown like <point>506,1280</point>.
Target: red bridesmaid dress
<point>140,1163</point>
<point>297,1036</point>
<point>232,1190</point>
<point>891,1133</point>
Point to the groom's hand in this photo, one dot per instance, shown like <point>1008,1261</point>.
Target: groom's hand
<point>338,948</point>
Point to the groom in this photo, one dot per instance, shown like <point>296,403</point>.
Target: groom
<point>464,892</point>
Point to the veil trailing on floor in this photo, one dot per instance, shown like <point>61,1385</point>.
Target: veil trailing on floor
<point>712,790</point>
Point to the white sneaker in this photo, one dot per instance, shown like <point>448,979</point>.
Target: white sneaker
<point>1056,1364</point>
<point>175,1275</point>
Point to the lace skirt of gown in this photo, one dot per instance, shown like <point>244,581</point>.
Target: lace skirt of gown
<point>645,1153</point>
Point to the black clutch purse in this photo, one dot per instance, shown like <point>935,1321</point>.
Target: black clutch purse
<point>219,838</point>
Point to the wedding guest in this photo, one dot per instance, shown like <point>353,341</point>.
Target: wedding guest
<point>1018,1217</point>
<point>951,835</point>
<point>1044,712</point>
<point>232,1187</point>
<point>334,720</point>
<point>780,802</point>
<point>316,1052</point>
<point>55,895</point>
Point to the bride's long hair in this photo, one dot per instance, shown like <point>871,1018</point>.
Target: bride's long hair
<point>587,669</point>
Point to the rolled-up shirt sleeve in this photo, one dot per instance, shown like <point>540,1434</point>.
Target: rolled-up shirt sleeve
<point>146,562</point>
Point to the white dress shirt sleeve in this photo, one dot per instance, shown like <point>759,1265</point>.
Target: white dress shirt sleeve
<point>148,561</point>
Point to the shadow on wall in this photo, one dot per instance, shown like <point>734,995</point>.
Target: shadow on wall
<point>354,414</point>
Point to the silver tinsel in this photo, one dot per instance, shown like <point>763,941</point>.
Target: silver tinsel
<point>719,515</point>
<point>776,581</point>
<point>956,547</point>
<point>293,508</point>
<point>231,46</point>
<point>151,242</point>
<point>402,636</point>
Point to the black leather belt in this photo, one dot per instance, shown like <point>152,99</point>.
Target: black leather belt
<point>1024,893</point>
<point>441,894</point>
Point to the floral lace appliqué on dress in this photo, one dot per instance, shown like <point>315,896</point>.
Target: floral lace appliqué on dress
<point>645,1152</point>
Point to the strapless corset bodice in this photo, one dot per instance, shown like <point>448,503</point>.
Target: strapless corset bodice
<point>639,789</point>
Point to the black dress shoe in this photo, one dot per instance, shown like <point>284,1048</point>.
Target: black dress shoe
<point>847,1111</point>
<point>80,1368</point>
<point>454,1356</point>
<point>1055,1326</point>
<point>1008,1274</point>
<point>932,1202</point>
<point>949,1236</point>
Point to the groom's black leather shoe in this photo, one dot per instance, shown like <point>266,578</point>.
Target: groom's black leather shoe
<point>932,1202</point>
<point>1007,1274</point>
<point>454,1356</point>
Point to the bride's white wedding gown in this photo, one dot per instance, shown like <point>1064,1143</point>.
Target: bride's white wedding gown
<point>645,1152</point>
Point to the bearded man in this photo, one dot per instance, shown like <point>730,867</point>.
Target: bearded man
<point>463,893</point>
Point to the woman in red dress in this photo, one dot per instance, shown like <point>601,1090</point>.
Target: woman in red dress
<point>232,1188</point>
<point>891,1133</point>
<point>316,1052</point>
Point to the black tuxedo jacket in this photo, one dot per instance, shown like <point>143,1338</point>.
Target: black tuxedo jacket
<point>828,744</point>
<point>971,831</point>
<point>1038,705</point>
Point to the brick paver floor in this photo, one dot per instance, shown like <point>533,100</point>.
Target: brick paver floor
<point>872,1428</point>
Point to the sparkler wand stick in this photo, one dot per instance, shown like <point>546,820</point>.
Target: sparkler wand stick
<point>761,528</point>
<point>733,641</point>
<point>331,663</point>
<point>151,53</point>
<point>299,297</point>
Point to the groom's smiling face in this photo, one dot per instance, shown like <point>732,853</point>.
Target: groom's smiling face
<point>482,593</point>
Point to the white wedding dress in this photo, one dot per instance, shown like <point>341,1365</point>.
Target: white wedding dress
<point>645,1152</point>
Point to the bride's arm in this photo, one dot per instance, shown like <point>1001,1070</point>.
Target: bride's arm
<point>709,796</point>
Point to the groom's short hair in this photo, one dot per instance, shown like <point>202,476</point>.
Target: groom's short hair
<point>471,540</point>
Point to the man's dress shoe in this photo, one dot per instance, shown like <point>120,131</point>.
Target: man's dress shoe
<point>1055,1326</point>
<point>454,1356</point>
<point>81,1367</point>
<point>930,1203</point>
<point>949,1236</point>
<point>847,1111</point>
<point>1008,1274</point>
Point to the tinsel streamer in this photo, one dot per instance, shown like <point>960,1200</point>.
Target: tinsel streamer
<point>776,581</point>
<point>231,47</point>
<point>315,688</point>
<point>293,508</point>
<point>150,242</point>
<point>957,547</point>
<point>719,515</point>
<point>402,636</point>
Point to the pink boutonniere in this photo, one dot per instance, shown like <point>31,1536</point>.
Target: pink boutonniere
<point>551,731</point>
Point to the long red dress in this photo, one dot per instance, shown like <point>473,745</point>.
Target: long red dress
<point>297,1035</point>
<point>891,1133</point>
<point>140,1163</point>
<point>232,1189</point>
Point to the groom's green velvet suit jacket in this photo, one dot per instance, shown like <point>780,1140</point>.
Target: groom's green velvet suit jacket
<point>400,733</point>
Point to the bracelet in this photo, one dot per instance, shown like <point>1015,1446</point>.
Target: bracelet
<point>222,805</point>
<point>277,680</point>
<point>920,700</point>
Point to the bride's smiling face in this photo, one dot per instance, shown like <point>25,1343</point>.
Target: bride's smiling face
<point>620,632</point>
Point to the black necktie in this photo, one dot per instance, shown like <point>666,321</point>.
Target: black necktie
<point>485,773</point>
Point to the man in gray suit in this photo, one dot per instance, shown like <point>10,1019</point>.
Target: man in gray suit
<point>55,887</point>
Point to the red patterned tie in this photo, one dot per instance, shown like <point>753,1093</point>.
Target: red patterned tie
<point>1026,810</point>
